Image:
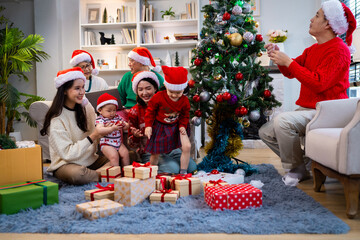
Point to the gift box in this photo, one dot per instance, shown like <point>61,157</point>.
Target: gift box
<point>213,183</point>
<point>233,196</point>
<point>24,195</point>
<point>216,175</point>
<point>131,191</point>
<point>100,192</point>
<point>162,182</point>
<point>109,174</point>
<point>99,209</point>
<point>168,195</point>
<point>140,171</point>
<point>20,165</point>
<point>186,185</point>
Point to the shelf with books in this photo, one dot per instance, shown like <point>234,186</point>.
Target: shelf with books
<point>103,26</point>
<point>182,43</point>
<point>171,23</point>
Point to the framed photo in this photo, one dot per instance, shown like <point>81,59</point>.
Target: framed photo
<point>255,7</point>
<point>93,15</point>
<point>183,16</point>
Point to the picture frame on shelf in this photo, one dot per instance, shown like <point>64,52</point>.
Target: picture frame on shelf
<point>255,7</point>
<point>183,16</point>
<point>93,15</point>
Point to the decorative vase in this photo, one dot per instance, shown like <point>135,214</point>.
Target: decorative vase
<point>281,46</point>
<point>167,17</point>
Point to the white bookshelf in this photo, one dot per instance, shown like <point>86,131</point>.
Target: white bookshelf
<point>162,28</point>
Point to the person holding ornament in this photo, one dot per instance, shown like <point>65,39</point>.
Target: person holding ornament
<point>73,137</point>
<point>111,145</point>
<point>84,60</point>
<point>145,84</point>
<point>323,71</point>
<point>140,59</point>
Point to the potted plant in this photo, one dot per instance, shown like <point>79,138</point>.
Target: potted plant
<point>18,53</point>
<point>167,14</point>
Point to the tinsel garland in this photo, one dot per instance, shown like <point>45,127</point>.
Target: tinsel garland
<point>216,158</point>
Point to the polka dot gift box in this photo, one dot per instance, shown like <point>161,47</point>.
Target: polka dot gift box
<point>233,196</point>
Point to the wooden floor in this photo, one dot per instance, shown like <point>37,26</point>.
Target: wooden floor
<point>333,199</point>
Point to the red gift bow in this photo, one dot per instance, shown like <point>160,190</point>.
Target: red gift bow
<point>182,177</point>
<point>109,187</point>
<point>107,174</point>
<point>162,181</point>
<point>215,182</point>
<point>215,171</point>
<point>164,192</point>
<point>136,165</point>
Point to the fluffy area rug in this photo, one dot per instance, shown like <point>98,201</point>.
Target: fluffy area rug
<point>285,210</point>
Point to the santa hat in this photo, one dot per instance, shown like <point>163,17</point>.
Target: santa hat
<point>141,75</point>
<point>340,19</point>
<point>79,56</point>
<point>143,56</point>
<point>105,99</point>
<point>175,78</point>
<point>68,75</point>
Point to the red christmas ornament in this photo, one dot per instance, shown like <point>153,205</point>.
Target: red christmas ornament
<point>267,93</point>
<point>226,16</point>
<point>191,83</point>
<point>219,98</point>
<point>226,96</point>
<point>239,76</point>
<point>198,113</point>
<point>237,112</point>
<point>243,111</point>
<point>198,61</point>
<point>259,37</point>
<point>196,98</point>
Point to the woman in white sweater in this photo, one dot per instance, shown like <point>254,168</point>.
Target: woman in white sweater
<point>73,137</point>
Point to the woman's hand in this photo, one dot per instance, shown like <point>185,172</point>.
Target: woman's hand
<point>136,132</point>
<point>148,132</point>
<point>182,131</point>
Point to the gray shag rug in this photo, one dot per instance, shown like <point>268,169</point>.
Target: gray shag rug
<point>285,210</point>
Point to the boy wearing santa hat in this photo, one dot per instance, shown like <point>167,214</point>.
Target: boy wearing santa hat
<point>84,60</point>
<point>323,71</point>
<point>111,145</point>
<point>140,59</point>
<point>167,118</point>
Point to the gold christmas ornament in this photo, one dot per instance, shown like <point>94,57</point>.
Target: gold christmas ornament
<point>259,54</point>
<point>206,34</point>
<point>213,40</point>
<point>206,15</point>
<point>256,24</point>
<point>209,121</point>
<point>235,39</point>
<point>246,123</point>
<point>217,77</point>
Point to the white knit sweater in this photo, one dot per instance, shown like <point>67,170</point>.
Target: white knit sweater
<point>68,143</point>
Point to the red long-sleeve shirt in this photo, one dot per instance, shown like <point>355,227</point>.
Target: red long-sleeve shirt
<point>323,71</point>
<point>164,110</point>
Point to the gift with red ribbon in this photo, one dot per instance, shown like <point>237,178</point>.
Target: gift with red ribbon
<point>163,181</point>
<point>140,171</point>
<point>166,195</point>
<point>233,196</point>
<point>99,208</point>
<point>100,192</point>
<point>214,183</point>
<point>110,173</point>
<point>185,184</point>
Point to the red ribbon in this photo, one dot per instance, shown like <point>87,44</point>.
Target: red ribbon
<point>182,177</point>
<point>109,187</point>
<point>108,174</point>
<point>215,182</point>
<point>162,181</point>
<point>164,192</point>
<point>136,165</point>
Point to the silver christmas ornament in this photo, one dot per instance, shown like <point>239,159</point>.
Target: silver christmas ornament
<point>196,121</point>
<point>204,96</point>
<point>236,10</point>
<point>246,8</point>
<point>248,37</point>
<point>268,112</point>
<point>254,115</point>
<point>212,60</point>
<point>233,30</point>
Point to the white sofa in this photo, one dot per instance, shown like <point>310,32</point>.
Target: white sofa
<point>333,143</point>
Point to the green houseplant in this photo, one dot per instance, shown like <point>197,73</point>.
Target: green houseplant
<point>167,14</point>
<point>18,53</point>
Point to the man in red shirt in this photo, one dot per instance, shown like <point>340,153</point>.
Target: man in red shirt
<point>323,71</point>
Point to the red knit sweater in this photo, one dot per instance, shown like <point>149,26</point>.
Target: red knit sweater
<point>164,110</point>
<point>322,70</point>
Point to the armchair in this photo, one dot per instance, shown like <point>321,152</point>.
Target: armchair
<point>332,141</point>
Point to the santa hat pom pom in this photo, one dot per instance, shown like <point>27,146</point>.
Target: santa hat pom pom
<point>157,69</point>
<point>85,101</point>
<point>95,71</point>
<point>352,49</point>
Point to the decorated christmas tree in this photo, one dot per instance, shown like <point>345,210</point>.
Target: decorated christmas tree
<point>229,89</point>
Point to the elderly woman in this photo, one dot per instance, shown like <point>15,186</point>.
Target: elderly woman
<point>145,84</point>
<point>140,59</point>
<point>85,61</point>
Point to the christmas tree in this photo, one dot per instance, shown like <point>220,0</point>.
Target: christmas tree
<point>177,61</point>
<point>229,87</point>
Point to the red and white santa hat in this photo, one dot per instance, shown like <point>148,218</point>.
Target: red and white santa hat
<point>143,56</point>
<point>141,75</point>
<point>175,78</point>
<point>105,99</point>
<point>340,19</point>
<point>67,75</point>
<point>79,56</point>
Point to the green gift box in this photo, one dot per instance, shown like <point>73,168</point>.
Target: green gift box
<point>31,194</point>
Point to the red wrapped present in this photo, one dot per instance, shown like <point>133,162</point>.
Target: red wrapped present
<point>233,196</point>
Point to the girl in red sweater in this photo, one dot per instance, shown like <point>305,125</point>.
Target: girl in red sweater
<point>167,118</point>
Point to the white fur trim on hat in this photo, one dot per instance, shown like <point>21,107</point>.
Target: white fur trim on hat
<point>335,14</point>
<point>95,71</point>
<point>157,69</point>
<point>72,75</point>
<point>82,57</point>
<point>143,60</point>
<point>141,75</point>
<point>111,101</point>
<point>175,87</point>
